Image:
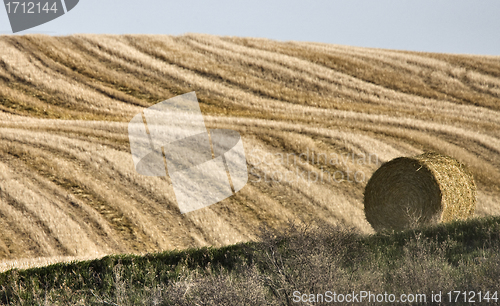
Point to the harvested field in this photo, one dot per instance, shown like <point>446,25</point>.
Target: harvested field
<point>67,180</point>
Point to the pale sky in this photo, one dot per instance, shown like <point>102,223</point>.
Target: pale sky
<point>450,26</point>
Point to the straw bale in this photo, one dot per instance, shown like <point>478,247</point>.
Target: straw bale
<point>407,192</point>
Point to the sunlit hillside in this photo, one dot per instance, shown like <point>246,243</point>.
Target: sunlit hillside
<point>68,187</point>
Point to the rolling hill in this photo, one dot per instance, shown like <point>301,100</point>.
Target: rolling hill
<point>316,112</point>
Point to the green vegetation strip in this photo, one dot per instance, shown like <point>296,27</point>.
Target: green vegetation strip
<point>459,244</point>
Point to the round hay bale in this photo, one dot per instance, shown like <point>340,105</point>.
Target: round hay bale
<point>411,191</point>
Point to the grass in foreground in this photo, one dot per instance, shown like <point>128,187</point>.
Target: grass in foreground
<point>460,256</point>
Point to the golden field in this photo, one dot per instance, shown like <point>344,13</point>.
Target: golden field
<point>68,188</point>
